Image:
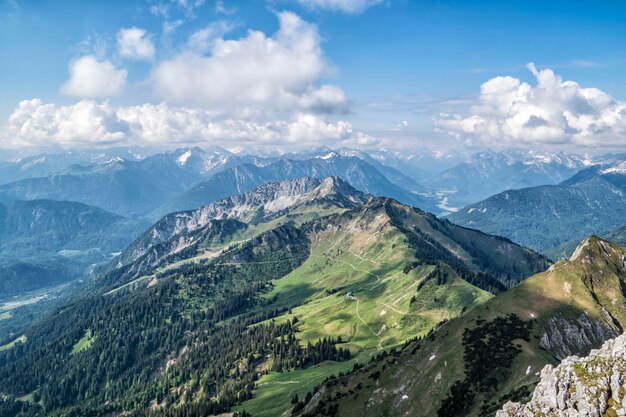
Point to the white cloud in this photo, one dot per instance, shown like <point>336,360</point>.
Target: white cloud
<point>403,125</point>
<point>189,5</point>
<point>203,40</point>
<point>220,7</point>
<point>162,8</point>
<point>278,72</point>
<point>345,6</point>
<point>90,77</point>
<point>34,123</point>
<point>135,43</point>
<point>259,89</point>
<point>553,112</point>
<point>88,123</point>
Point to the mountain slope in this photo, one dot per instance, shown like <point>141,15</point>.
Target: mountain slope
<point>43,242</point>
<point>473,364</point>
<point>546,217</point>
<point>307,294</point>
<point>393,174</point>
<point>359,174</point>
<point>377,276</point>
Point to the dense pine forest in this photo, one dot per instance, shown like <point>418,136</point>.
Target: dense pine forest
<point>126,337</point>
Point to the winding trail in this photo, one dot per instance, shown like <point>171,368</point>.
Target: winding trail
<point>380,338</point>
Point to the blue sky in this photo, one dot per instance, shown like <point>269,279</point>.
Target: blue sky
<point>399,73</point>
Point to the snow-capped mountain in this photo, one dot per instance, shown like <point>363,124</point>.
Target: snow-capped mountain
<point>125,186</point>
<point>46,164</point>
<point>487,173</point>
<point>241,178</point>
<point>206,162</point>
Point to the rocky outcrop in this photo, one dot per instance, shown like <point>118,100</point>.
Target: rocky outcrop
<point>593,386</point>
<point>564,337</point>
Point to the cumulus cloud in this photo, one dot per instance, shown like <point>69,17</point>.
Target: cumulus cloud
<point>89,123</point>
<point>259,89</point>
<point>553,112</point>
<point>345,6</point>
<point>90,77</point>
<point>135,43</point>
<point>84,123</point>
<point>278,72</point>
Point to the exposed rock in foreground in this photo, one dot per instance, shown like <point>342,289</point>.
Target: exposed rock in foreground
<point>592,386</point>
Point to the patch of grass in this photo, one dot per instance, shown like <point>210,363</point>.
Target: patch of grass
<point>380,314</point>
<point>83,343</point>
<point>21,339</point>
<point>274,391</point>
<point>29,398</point>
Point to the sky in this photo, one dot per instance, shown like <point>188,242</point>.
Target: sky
<point>288,74</point>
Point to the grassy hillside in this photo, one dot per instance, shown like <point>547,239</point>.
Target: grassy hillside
<point>356,285</point>
<point>472,364</point>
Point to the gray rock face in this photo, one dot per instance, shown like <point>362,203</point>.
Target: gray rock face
<point>182,229</point>
<point>566,337</point>
<point>593,386</point>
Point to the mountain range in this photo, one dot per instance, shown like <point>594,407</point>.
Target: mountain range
<point>323,277</point>
<point>314,283</point>
<point>242,178</point>
<point>487,173</point>
<point>131,188</point>
<point>548,216</point>
<point>156,185</point>
<point>42,165</point>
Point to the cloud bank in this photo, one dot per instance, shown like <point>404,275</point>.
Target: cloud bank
<point>260,89</point>
<point>553,112</point>
<point>92,124</point>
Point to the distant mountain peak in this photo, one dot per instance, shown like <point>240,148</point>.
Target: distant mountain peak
<point>328,155</point>
<point>615,168</point>
<point>595,250</point>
